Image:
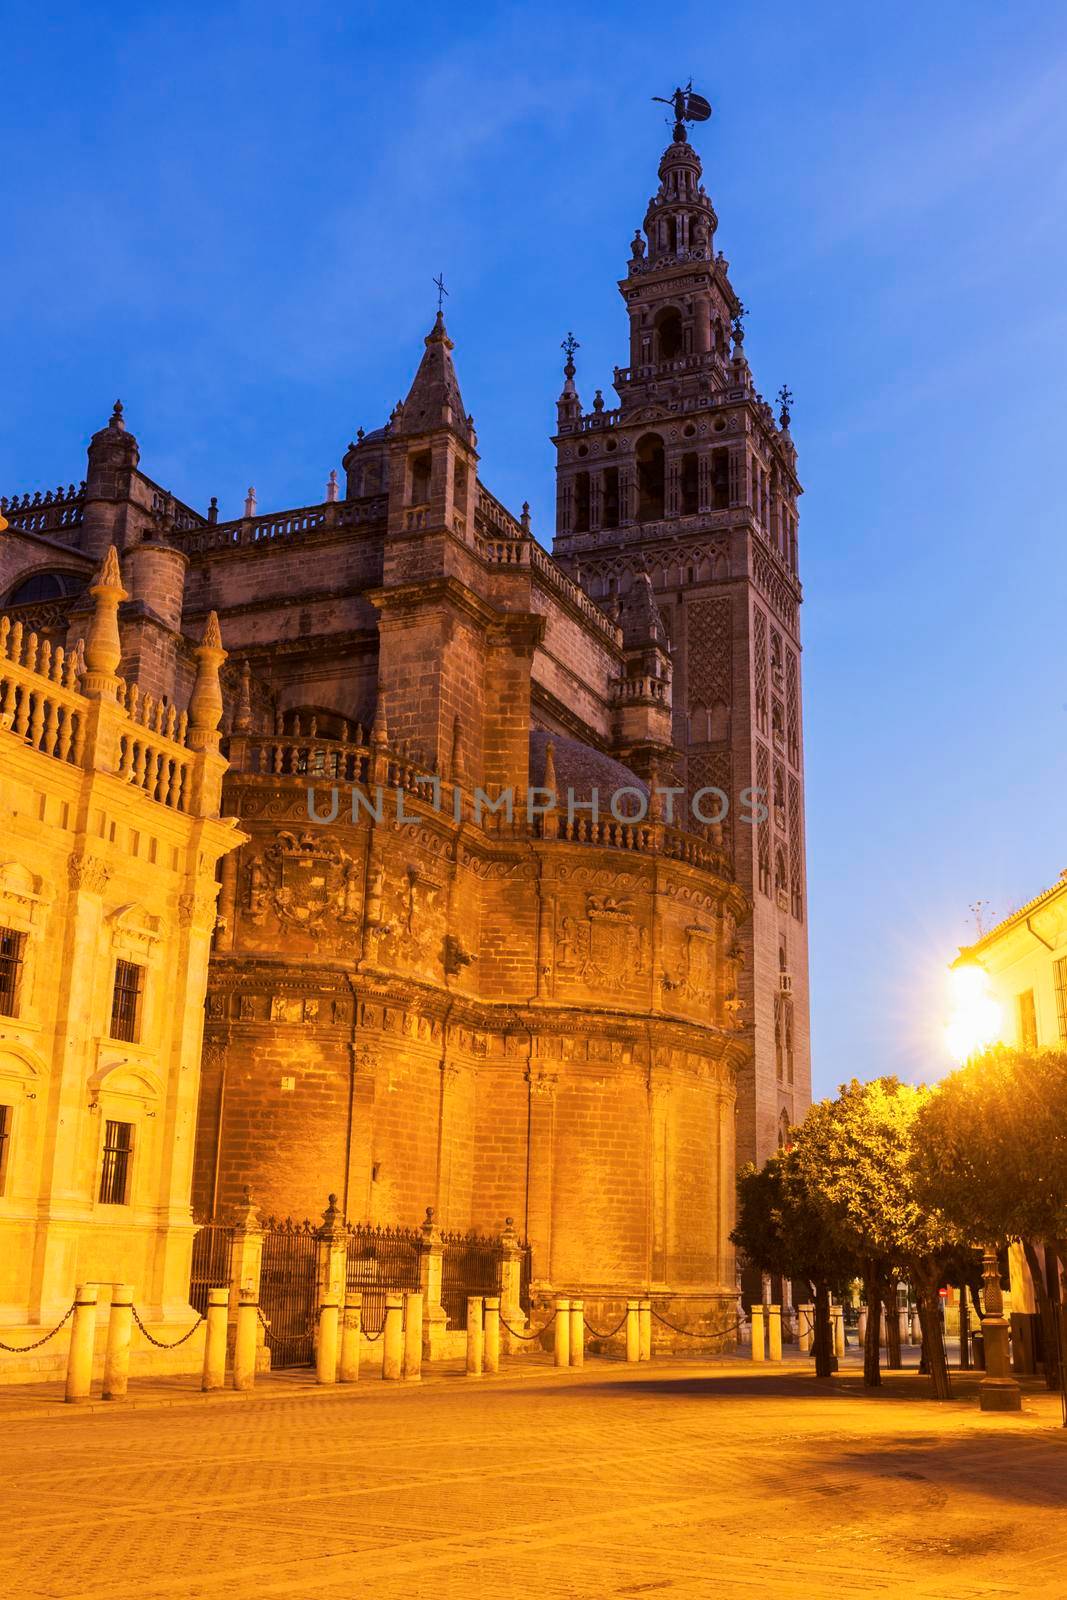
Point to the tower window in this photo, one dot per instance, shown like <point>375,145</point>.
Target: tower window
<point>650,478</point>
<point>669,334</point>
<point>459,485</point>
<point>115,1172</point>
<point>126,1001</point>
<point>720,479</point>
<point>12,945</point>
<point>581,503</point>
<point>690,486</point>
<point>420,478</point>
<point>611,495</point>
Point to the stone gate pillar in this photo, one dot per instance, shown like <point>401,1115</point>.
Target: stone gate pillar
<point>511,1312</point>
<point>434,1316</point>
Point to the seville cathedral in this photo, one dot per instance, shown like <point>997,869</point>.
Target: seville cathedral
<point>366,847</point>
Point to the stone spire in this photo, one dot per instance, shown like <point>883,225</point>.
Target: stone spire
<point>680,222</point>
<point>205,702</point>
<point>569,405</point>
<point>434,400</point>
<point>103,647</point>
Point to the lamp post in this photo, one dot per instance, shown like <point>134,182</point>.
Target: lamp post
<point>998,1390</point>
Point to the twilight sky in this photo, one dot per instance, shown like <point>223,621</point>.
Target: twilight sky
<point>229,215</point>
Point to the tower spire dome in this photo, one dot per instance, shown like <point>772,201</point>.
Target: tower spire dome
<point>434,398</point>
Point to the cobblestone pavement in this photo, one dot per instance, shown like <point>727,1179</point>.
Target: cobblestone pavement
<point>681,1480</point>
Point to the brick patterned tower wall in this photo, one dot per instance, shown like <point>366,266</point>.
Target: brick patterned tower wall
<point>692,480</point>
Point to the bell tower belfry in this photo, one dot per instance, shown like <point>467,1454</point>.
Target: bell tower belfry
<point>692,479</point>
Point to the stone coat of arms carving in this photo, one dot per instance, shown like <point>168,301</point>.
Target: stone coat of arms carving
<point>306,880</point>
<point>606,948</point>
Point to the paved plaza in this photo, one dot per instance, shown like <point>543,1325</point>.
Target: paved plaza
<point>684,1479</point>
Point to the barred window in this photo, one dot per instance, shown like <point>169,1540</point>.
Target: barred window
<point>126,1001</point>
<point>1059,969</point>
<point>1027,1013</point>
<point>115,1172</point>
<point>12,945</point>
<point>5,1144</point>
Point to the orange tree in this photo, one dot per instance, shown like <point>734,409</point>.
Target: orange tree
<point>990,1154</point>
<point>854,1158</point>
<point>781,1231</point>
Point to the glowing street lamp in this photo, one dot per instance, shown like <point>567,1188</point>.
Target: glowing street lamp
<point>975,1016</point>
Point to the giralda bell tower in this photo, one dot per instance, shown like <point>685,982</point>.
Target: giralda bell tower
<point>693,479</point>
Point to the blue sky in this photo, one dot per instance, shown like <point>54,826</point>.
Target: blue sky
<point>230,215</point>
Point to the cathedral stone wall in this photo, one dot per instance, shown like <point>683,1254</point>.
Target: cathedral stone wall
<point>557,1018</point>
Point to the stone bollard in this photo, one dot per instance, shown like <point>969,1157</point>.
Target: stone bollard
<point>413,1336</point>
<point>902,1324</point>
<point>491,1352</point>
<point>244,1346</point>
<point>633,1331</point>
<point>861,1330</point>
<point>475,1337</point>
<point>351,1333</point>
<point>326,1348</point>
<point>916,1328</point>
<point>806,1327</point>
<point>117,1352</point>
<point>82,1343</point>
<point>758,1352</point>
<point>644,1320</point>
<point>577,1333</point>
<point>774,1333</point>
<point>562,1329</point>
<point>393,1337</point>
<point>214,1374</point>
<point>837,1316</point>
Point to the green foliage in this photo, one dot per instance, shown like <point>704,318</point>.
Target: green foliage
<point>854,1157</point>
<point>990,1147</point>
<point>780,1227</point>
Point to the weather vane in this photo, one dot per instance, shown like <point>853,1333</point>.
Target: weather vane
<point>441,292</point>
<point>569,346</point>
<point>687,107</point>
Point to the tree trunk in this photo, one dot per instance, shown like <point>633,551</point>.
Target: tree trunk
<point>872,1370</point>
<point>1059,1246</point>
<point>825,1365</point>
<point>892,1328</point>
<point>1050,1343</point>
<point>933,1335</point>
<point>965,1331</point>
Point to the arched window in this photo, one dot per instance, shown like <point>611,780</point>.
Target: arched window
<point>719,722</point>
<point>420,478</point>
<point>459,485</point>
<point>46,586</point>
<point>669,334</point>
<point>781,882</point>
<point>610,515</point>
<point>581,503</point>
<point>650,478</point>
<point>690,479</point>
<point>720,479</point>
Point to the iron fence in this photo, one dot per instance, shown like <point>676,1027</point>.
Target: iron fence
<point>287,1290</point>
<point>210,1267</point>
<point>381,1261</point>
<point>471,1265</point>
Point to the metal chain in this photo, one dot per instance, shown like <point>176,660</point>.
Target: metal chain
<point>20,1349</point>
<point>535,1335</point>
<point>688,1333</point>
<point>159,1343</point>
<point>614,1331</point>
